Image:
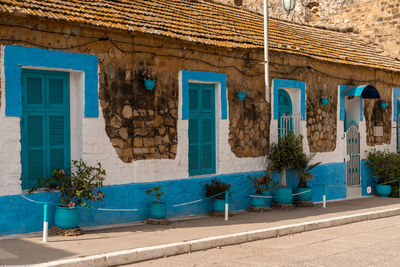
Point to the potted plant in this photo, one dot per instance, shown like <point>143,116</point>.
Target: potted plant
<point>263,185</point>
<point>384,167</point>
<point>149,79</point>
<point>285,155</point>
<point>217,187</point>
<point>158,210</point>
<point>303,170</point>
<point>78,188</point>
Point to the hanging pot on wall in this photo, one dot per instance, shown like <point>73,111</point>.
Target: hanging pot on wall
<point>149,84</point>
<point>324,101</point>
<point>383,105</point>
<point>241,95</point>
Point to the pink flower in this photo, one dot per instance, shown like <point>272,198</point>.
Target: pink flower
<point>100,195</point>
<point>71,205</point>
<point>62,172</point>
<point>260,180</point>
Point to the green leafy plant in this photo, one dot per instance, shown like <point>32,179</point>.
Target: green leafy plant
<point>157,193</point>
<point>263,183</point>
<point>217,187</point>
<point>77,187</point>
<point>304,168</point>
<point>384,165</point>
<point>286,154</point>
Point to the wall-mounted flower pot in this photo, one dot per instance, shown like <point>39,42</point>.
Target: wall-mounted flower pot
<point>158,211</point>
<point>324,101</point>
<point>66,217</point>
<point>149,84</point>
<point>383,105</point>
<point>241,95</point>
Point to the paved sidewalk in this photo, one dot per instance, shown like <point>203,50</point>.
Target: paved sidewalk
<point>31,250</point>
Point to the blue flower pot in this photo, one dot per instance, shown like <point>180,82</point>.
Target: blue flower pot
<point>383,190</point>
<point>219,205</point>
<point>324,101</point>
<point>383,105</point>
<point>66,218</point>
<point>304,196</point>
<point>283,195</point>
<point>241,95</point>
<point>149,84</point>
<point>258,201</point>
<point>158,211</point>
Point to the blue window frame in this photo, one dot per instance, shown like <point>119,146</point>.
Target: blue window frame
<point>201,129</point>
<point>45,124</point>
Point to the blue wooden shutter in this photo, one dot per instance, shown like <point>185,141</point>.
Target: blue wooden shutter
<point>201,129</point>
<point>45,137</point>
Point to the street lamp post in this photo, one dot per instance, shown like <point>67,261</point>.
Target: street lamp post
<point>288,6</point>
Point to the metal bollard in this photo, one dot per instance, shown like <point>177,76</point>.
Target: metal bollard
<point>226,205</point>
<point>323,196</point>
<point>45,223</point>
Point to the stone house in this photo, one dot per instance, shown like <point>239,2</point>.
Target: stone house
<point>72,87</point>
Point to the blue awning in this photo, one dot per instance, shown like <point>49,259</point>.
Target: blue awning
<point>365,91</point>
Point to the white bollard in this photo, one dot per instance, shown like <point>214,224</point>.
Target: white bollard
<point>45,224</point>
<point>226,205</point>
<point>324,201</point>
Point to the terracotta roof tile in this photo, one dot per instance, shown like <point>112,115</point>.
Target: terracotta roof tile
<point>210,23</point>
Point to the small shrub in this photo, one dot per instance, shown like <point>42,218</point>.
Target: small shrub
<point>217,187</point>
<point>263,183</point>
<point>157,193</point>
<point>385,165</point>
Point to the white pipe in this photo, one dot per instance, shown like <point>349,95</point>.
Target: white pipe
<point>266,57</point>
<point>226,211</point>
<point>324,201</point>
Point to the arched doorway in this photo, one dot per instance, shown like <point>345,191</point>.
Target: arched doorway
<point>285,123</point>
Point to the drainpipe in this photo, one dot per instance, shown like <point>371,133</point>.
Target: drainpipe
<point>266,60</point>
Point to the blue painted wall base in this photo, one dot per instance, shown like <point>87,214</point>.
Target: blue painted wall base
<point>13,219</point>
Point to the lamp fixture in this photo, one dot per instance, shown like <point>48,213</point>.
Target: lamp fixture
<point>288,5</point>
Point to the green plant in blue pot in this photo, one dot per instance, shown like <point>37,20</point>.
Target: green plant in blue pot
<point>304,173</point>
<point>158,210</point>
<point>263,185</point>
<point>385,167</point>
<point>285,155</point>
<point>79,187</point>
<point>216,187</point>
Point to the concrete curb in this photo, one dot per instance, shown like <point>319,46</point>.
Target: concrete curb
<point>148,253</point>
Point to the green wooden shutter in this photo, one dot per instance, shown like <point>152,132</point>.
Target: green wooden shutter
<point>201,129</point>
<point>45,137</point>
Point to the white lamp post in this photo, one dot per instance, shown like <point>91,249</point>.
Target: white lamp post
<point>288,6</point>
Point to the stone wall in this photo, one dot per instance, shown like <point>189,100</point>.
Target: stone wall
<point>142,124</point>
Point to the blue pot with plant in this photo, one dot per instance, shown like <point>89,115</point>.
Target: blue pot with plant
<point>217,188</point>
<point>262,186</point>
<point>384,166</point>
<point>383,190</point>
<point>78,188</point>
<point>304,169</point>
<point>284,155</point>
<point>148,79</point>
<point>158,210</point>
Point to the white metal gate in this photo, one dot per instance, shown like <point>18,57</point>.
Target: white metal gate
<point>353,152</point>
<point>398,132</point>
<point>289,123</point>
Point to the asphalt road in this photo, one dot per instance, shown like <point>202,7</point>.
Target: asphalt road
<point>368,243</point>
